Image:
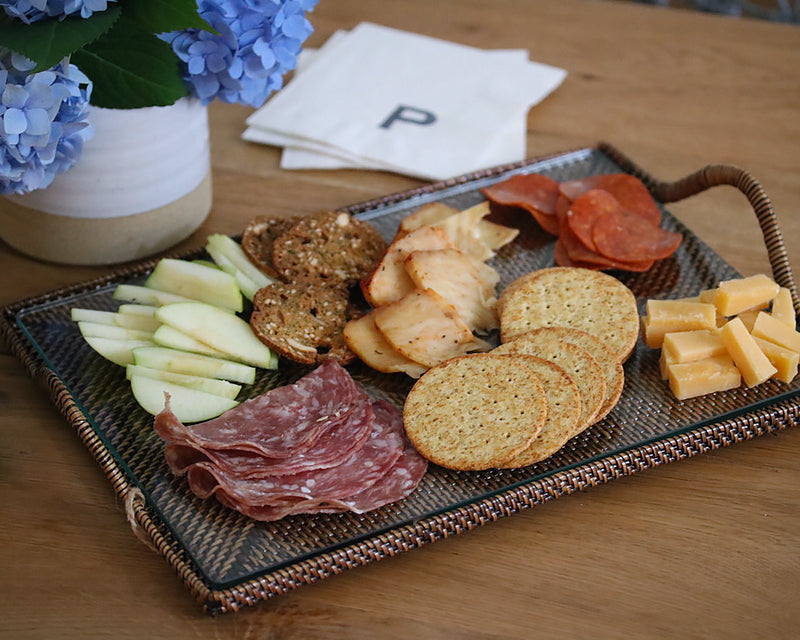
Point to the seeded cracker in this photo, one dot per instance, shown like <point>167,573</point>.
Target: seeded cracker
<point>331,247</point>
<point>584,299</point>
<point>494,407</point>
<point>259,237</point>
<point>304,323</point>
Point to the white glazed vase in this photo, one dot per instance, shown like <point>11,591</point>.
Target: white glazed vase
<point>142,184</point>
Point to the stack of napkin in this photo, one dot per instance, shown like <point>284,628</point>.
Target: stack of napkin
<point>380,98</point>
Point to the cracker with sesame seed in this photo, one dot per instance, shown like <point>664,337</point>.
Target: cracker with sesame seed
<point>495,405</point>
<point>331,247</point>
<point>259,237</point>
<point>584,299</point>
<point>304,323</point>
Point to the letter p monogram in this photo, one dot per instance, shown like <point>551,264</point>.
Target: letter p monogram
<point>405,113</point>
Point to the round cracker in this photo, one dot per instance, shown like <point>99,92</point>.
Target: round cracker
<point>584,299</point>
<point>576,361</point>
<point>563,413</point>
<point>475,411</point>
<point>611,366</point>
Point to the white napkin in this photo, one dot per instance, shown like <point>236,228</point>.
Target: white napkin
<point>381,98</point>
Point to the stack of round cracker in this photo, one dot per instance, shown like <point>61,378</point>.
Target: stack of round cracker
<point>567,329</point>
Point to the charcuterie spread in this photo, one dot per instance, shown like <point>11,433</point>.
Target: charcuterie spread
<point>499,379</point>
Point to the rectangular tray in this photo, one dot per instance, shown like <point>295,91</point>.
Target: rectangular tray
<point>229,561</point>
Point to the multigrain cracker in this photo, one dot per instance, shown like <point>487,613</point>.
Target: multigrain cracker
<point>577,362</point>
<point>563,413</point>
<point>592,301</point>
<point>304,323</point>
<point>258,239</point>
<point>331,247</point>
<point>494,407</point>
<point>611,366</point>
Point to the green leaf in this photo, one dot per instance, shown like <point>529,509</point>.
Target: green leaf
<point>131,68</point>
<point>47,42</point>
<point>160,16</point>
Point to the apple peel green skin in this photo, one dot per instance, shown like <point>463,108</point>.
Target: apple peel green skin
<point>145,296</point>
<point>99,330</point>
<point>196,281</point>
<point>188,405</point>
<point>126,320</point>
<point>220,330</point>
<point>167,336</point>
<point>208,385</point>
<point>156,357</point>
<point>118,351</point>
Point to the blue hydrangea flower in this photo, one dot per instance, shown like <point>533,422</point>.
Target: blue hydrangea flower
<point>43,122</point>
<point>258,43</point>
<point>32,10</point>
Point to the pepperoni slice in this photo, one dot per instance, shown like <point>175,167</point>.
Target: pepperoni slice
<point>627,189</point>
<point>571,252</point>
<point>626,236</point>
<point>584,211</point>
<point>533,192</point>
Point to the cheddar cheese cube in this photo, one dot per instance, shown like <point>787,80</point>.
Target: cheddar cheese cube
<point>698,378</point>
<point>769,328</point>
<point>687,346</point>
<point>783,309</point>
<point>783,359</point>
<point>668,316</point>
<point>746,354</point>
<point>741,294</point>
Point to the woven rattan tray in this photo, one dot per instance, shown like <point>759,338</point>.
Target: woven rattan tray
<point>228,561</point>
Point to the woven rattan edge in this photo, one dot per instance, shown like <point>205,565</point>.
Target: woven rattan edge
<point>215,601</point>
<point>463,519</point>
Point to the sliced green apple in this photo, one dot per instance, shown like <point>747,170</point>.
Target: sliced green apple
<point>188,405</point>
<point>166,359</point>
<point>220,245</point>
<point>196,281</point>
<point>140,323</point>
<point>170,337</point>
<point>146,296</point>
<point>223,331</point>
<point>99,330</point>
<point>146,310</point>
<point>208,385</point>
<point>117,351</point>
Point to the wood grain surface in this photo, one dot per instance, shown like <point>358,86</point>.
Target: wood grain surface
<point>704,548</point>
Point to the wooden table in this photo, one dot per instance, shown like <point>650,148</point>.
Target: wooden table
<point>704,548</point>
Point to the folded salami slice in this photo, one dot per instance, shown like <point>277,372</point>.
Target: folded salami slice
<point>362,469</point>
<point>277,424</point>
<point>332,448</point>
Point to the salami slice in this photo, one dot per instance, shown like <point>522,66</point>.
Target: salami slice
<point>622,235</point>
<point>276,424</point>
<point>331,449</point>
<point>363,468</point>
<point>533,192</point>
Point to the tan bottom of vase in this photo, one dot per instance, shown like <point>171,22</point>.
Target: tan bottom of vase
<point>98,241</point>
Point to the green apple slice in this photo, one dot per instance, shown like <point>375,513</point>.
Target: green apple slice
<point>207,385</point>
<point>170,337</point>
<point>196,281</point>
<point>223,331</point>
<point>145,296</point>
<point>99,330</point>
<point>146,310</point>
<point>117,351</point>
<point>218,245</point>
<point>156,357</point>
<point>140,323</point>
<point>188,405</point>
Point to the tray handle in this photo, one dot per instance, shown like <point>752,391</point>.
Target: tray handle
<point>723,174</point>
